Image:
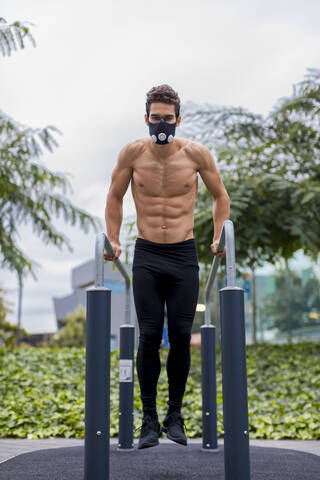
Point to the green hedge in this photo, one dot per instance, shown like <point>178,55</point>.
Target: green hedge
<point>42,392</point>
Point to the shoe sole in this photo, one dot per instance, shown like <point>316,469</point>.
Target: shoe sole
<point>170,437</point>
<point>148,445</point>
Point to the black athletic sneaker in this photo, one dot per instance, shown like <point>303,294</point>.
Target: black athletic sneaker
<point>173,425</point>
<point>150,432</point>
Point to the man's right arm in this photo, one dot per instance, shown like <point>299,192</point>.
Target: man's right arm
<point>120,180</point>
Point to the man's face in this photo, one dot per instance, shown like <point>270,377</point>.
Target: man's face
<point>160,110</point>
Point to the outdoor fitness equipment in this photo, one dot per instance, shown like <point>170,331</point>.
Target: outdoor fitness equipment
<point>234,371</point>
<point>97,393</point>
<point>234,377</point>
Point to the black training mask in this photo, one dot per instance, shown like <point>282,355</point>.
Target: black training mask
<point>162,132</point>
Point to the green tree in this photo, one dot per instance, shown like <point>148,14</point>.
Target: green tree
<point>285,141</point>
<point>8,331</point>
<point>13,36</point>
<point>271,169</point>
<point>288,307</point>
<point>270,224</point>
<point>73,332</point>
<point>30,192</point>
<point>27,187</point>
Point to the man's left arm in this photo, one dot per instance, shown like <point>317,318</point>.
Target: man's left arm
<point>221,201</point>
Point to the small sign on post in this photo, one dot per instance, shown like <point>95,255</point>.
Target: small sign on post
<point>125,372</point>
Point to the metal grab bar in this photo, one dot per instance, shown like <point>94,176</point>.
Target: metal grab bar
<point>226,238</point>
<point>102,242</point>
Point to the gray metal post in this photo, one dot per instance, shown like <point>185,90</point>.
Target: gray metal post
<point>126,379</point>
<point>234,375</point>
<point>234,384</point>
<point>209,394</point>
<point>97,392</point>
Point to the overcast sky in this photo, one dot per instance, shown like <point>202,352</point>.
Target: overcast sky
<point>89,73</point>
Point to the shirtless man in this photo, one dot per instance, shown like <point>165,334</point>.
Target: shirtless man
<point>164,182</point>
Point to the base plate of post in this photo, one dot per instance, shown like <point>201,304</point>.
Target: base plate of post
<point>212,450</point>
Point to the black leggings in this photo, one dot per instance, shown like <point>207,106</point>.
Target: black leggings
<point>164,273</point>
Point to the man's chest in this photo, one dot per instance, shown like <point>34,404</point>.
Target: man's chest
<point>173,177</point>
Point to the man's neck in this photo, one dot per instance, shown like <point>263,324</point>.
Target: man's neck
<point>164,151</point>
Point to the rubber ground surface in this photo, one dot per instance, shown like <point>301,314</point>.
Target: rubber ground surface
<point>164,462</point>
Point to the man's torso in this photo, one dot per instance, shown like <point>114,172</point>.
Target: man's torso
<point>165,189</point>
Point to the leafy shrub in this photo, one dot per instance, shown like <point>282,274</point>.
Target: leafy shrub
<point>42,392</point>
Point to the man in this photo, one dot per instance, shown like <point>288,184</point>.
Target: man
<point>164,182</point>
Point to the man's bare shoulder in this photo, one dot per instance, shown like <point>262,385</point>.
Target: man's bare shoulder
<point>131,151</point>
<point>199,153</point>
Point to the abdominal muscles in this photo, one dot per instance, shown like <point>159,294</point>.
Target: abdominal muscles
<point>165,211</point>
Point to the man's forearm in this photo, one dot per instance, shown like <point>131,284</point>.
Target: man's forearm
<point>113,217</point>
<point>220,213</point>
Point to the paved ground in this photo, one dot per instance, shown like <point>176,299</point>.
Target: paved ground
<point>165,462</point>
<point>10,448</point>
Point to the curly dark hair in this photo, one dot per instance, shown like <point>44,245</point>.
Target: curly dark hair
<point>165,94</point>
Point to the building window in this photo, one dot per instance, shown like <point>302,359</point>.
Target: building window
<point>116,287</point>
<point>113,343</point>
